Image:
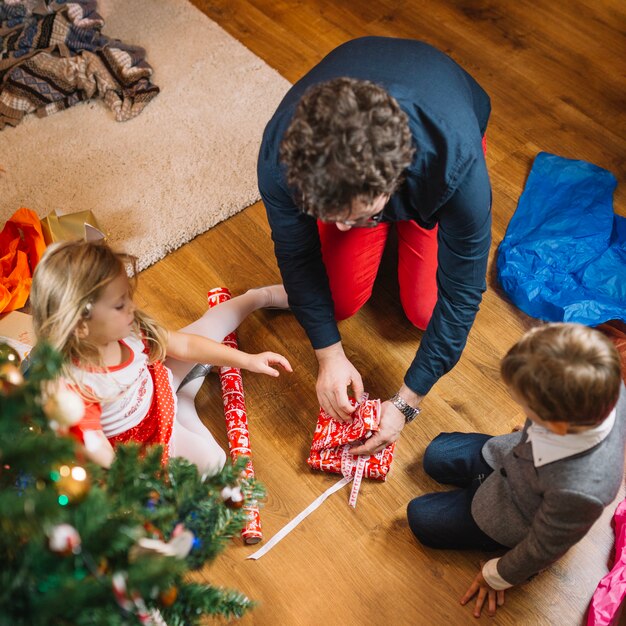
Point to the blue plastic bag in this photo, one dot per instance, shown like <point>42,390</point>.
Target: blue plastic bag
<point>563,257</point>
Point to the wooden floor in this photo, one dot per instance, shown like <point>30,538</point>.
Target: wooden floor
<point>555,72</point>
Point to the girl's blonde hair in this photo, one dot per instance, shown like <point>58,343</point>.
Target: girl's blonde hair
<point>565,372</point>
<point>68,281</point>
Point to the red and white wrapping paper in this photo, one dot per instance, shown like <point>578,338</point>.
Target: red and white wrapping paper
<point>237,423</point>
<point>330,450</point>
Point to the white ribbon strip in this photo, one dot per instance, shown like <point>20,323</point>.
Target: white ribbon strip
<point>285,530</point>
<point>356,485</point>
<point>347,465</point>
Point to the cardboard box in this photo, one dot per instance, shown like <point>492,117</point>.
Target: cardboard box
<point>16,329</point>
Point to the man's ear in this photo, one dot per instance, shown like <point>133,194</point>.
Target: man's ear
<point>82,330</point>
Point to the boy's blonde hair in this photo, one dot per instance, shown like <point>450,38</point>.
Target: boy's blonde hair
<point>565,373</point>
<point>68,280</point>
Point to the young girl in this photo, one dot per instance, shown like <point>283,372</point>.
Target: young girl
<point>82,304</point>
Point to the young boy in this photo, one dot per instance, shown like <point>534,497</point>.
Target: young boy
<point>532,494</point>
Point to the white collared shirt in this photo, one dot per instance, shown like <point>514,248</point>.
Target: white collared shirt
<point>548,447</point>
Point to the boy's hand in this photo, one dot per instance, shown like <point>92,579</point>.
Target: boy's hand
<point>261,363</point>
<point>479,586</point>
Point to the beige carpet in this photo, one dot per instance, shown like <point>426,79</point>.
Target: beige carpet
<point>187,162</point>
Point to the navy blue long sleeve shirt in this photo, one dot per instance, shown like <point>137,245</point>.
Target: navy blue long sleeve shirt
<point>446,184</point>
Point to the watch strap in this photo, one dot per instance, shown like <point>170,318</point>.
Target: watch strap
<point>409,412</point>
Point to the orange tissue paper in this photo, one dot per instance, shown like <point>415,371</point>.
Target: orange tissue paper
<point>21,246</point>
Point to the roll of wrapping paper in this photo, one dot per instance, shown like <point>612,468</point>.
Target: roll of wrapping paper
<point>237,423</point>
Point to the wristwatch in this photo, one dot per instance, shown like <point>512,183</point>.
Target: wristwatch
<point>409,412</point>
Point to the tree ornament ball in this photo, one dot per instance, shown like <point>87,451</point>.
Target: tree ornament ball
<point>73,482</point>
<point>153,500</point>
<point>233,497</point>
<point>9,355</point>
<point>10,377</point>
<point>65,407</point>
<point>64,539</point>
<point>168,597</point>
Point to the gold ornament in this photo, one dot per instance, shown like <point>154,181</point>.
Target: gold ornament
<point>10,377</point>
<point>72,482</point>
<point>9,355</point>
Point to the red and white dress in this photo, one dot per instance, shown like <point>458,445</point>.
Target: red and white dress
<point>137,401</point>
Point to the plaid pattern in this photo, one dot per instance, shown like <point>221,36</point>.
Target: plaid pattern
<point>53,55</point>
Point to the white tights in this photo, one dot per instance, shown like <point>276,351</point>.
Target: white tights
<point>191,439</point>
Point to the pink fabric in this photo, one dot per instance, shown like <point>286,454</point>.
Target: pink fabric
<point>604,609</point>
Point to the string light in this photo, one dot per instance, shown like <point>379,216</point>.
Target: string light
<point>79,473</point>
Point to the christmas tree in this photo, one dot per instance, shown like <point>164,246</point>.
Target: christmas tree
<point>80,544</point>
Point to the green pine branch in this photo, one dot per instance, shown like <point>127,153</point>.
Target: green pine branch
<point>137,497</point>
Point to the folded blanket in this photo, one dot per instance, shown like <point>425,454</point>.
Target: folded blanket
<point>54,55</point>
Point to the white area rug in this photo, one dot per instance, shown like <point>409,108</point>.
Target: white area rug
<point>187,162</point>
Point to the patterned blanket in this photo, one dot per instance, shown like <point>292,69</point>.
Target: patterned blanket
<point>54,55</point>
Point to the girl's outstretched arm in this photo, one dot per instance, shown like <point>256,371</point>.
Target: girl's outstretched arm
<point>198,349</point>
<point>99,449</point>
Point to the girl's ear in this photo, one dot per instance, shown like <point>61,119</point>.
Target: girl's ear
<point>82,330</point>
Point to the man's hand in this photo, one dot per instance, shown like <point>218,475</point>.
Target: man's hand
<point>485,592</point>
<point>335,375</point>
<point>391,425</point>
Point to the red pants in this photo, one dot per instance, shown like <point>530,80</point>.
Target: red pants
<point>352,259</point>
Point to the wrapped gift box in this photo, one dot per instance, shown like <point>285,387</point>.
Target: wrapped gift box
<point>332,439</point>
<point>71,227</point>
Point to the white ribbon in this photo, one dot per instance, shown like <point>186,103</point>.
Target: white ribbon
<point>285,530</point>
<point>347,464</point>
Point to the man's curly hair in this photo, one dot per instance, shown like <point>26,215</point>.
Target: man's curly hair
<point>348,139</point>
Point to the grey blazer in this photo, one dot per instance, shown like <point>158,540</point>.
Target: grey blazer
<point>541,512</point>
